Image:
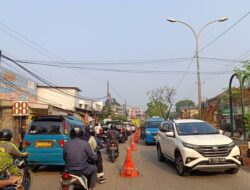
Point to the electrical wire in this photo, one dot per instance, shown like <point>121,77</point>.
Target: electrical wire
<point>125,70</point>
<point>47,82</point>
<point>18,89</point>
<point>237,22</point>
<point>35,46</point>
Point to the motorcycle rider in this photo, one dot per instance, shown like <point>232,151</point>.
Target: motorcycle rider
<point>76,154</point>
<point>6,136</point>
<point>113,135</point>
<point>8,151</point>
<point>96,145</point>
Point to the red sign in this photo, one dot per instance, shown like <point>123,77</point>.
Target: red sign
<point>20,108</point>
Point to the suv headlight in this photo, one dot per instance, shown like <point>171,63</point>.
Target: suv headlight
<point>192,146</point>
<point>231,145</point>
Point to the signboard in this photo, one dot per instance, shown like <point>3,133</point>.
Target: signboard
<point>16,87</point>
<point>20,108</point>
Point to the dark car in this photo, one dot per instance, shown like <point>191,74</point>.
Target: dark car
<point>123,133</point>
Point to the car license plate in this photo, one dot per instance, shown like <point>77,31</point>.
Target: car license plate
<point>112,148</point>
<point>216,160</point>
<point>43,144</point>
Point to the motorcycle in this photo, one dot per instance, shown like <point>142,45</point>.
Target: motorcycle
<point>71,181</point>
<point>112,150</point>
<point>25,179</point>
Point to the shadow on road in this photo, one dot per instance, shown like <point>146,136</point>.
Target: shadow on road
<point>50,169</point>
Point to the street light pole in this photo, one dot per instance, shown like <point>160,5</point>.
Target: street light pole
<point>197,36</point>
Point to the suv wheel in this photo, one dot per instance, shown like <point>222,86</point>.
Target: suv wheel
<point>160,156</point>
<point>232,171</point>
<point>179,165</point>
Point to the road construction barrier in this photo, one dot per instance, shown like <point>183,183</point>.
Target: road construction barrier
<point>128,169</point>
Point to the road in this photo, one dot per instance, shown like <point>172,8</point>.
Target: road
<point>153,175</point>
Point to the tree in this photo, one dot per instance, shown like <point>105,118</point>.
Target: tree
<point>183,103</point>
<point>108,107</point>
<point>160,101</point>
<point>154,108</point>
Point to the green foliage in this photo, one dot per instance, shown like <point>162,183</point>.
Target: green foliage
<point>160,101</point>
<point>223,101</point>
<point>183,103</point>
<point>155,108</point>
<point>107,108</point>
<point>246,121</point>
<point>119,117</point>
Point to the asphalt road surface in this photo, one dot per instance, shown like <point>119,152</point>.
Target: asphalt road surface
<point>154,175</point>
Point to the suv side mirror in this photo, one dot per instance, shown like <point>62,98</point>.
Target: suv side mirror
<point>220,131</point>
<point>169,134</point>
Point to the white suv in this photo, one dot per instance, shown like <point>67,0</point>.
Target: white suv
<point>196,145</point>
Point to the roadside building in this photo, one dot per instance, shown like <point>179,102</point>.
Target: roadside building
<point>89,110</point>
<point>135,113</point>
<point>189,113</point>
<point>216,110</point>
<point>15,87</point>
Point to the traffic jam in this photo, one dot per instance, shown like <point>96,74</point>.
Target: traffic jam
<point>190,145</point>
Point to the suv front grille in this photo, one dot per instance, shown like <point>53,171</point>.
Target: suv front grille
<point>214,151</point>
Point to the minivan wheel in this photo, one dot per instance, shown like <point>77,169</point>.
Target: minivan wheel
<point>232,171</point>
<point>179,166</point>
<point>161,158</point>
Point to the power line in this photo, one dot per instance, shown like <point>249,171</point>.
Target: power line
<point>47,82</point>
<point>14,86</point>
<point>131,62</point>
<point>32,45</point>
<point>30,41</point>
<point>184,75</point>
<point>27,44</point>
<point>124,70</point>
<point>237,22</point>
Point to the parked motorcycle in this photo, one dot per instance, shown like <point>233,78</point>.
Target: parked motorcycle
<point>71,181</point>
<point>25,179</point>
<point>112,150</point>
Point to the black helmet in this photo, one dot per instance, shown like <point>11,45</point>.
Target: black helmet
<point>6,135</point>
<point>76,132</point>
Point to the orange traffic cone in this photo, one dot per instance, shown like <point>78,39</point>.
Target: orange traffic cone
<point>133,145</point>
<point>136,137</point>
<point>128,169</point>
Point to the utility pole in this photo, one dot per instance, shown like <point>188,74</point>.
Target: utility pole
<point>0,58</point>
<point>197,39</point>
<point>125,109</point>
<point>109,96</point>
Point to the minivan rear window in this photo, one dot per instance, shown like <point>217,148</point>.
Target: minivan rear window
<point>46,126</point>
<point>153,124</point>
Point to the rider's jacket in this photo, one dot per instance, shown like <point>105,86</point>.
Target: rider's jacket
<point>112,135</point>
<point>76,154</point>
<point>10,148</point>
<point>7,165</point>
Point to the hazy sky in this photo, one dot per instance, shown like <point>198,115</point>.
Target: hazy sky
<point>129,43</point>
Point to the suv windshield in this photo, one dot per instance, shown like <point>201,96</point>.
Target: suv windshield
<point>201,128</point>
<point>46,126</point>
<point>153,124</point>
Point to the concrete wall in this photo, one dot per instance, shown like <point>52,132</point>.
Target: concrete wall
<point>7,120</point>
<point>59,99</point>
